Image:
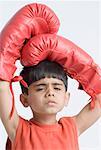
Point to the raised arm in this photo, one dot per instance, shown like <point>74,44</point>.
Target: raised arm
<point>31,20</point>
<point>88,117</point>
<point>5,108</point>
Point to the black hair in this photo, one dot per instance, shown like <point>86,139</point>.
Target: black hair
<point>44,69</point>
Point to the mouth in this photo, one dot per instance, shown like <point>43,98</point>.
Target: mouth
<point>51,103</point>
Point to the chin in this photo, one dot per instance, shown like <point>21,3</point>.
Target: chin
<point>53,111</point>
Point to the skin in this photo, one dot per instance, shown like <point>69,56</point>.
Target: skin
<point>40,95</point>
<point>44,112</point>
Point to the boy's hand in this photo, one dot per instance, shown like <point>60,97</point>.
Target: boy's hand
<point>29,21</point>
<point>75,61</point>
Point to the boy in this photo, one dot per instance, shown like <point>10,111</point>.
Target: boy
<point>43,126</point>
<point>46,95</point>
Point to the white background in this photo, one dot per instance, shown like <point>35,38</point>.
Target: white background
<point>80,22</point>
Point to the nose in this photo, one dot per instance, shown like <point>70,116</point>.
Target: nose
<point>49,92</point>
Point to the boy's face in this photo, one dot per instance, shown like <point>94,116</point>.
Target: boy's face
<point>46,96</point>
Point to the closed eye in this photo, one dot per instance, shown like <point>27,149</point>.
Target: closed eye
<point>57,88</point>
<point>39,89</point>
<point>42,89</point>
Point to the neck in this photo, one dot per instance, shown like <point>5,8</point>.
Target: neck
<point>45,119</point>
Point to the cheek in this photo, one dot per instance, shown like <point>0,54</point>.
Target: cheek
<point>61,94</point>
<point>34,99</point>
<point>62,97</point>
<point>31,98</point>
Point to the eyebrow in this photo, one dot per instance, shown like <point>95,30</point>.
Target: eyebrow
<point>43,84</point>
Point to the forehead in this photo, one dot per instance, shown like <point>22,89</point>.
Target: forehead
<point>46,81</point>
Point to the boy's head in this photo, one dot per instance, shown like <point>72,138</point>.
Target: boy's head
<point>44,69</point>
<point>47,83</point>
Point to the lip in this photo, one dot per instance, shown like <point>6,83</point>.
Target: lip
<point>51,102</point>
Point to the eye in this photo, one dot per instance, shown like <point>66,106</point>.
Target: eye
<point>39,89</point>
<point>57,88</point>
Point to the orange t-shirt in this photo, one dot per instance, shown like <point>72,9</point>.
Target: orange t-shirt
<point>35,136</point>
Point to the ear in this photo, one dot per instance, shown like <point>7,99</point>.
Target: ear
<point>67,97</point>
<point>23,99</point>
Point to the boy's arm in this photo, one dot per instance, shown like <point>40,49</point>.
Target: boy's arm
<point>12,40</point>
<point>88,117</point>
<point>5,108</point>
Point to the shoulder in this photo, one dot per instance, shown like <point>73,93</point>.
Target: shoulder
<point>22,125</point>
<point>67,119</point>
<point>20,129</point>
<point>70,123</point>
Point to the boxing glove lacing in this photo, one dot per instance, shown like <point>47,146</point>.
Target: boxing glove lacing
<point>20,79</point>
<point>92,103</point>
<point>15,79</point>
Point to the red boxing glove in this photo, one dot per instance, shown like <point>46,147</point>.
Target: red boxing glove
<point>75,61</point>
<point>29,21</point>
